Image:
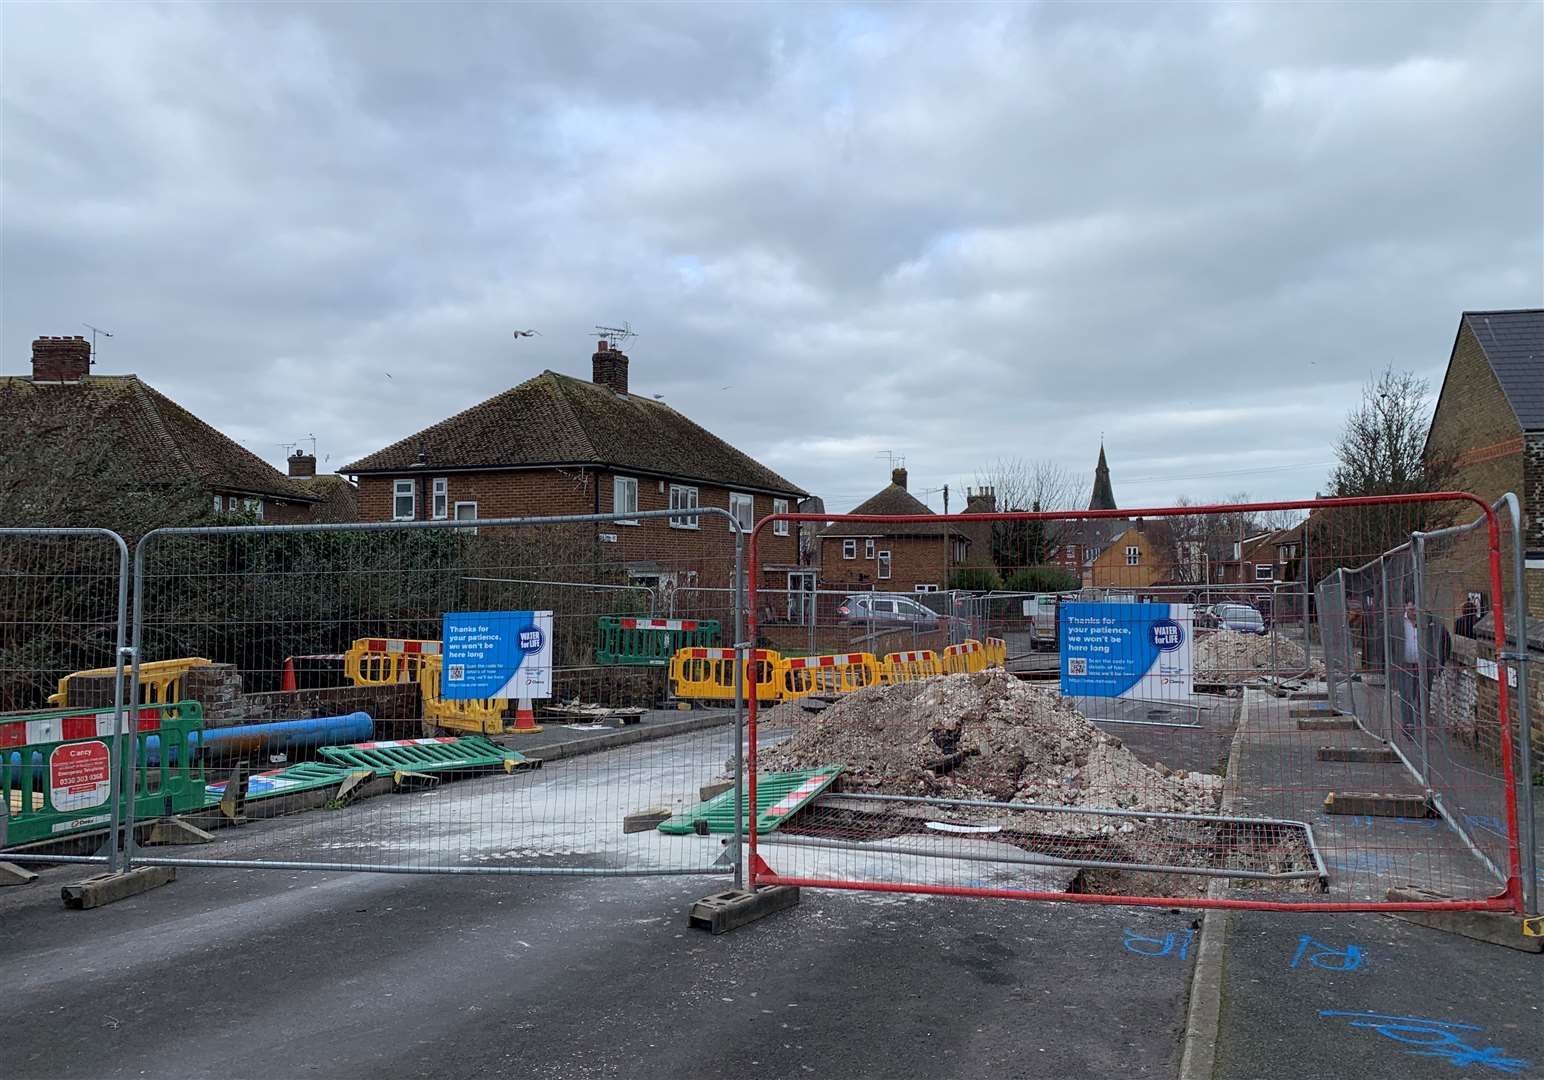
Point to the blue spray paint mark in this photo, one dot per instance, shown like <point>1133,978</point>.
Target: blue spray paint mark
<point>1487,822</point>
<point>1154,946</point>
<point>1325,957</point>
<point>1364,861</point>
<point>1438,1038</point>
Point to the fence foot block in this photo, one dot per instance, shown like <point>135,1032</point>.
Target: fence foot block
<point>109,888</point>
<point>11,874</point>
<point>1374,754</point>
<point>174,830</point>
<point>644,820</point>
<point>1496,927</point>
<point>1378,804</point>
<point>1308,695</point>
<point>1327,723</point>
<point>725,911</point>
<point>406,780</point>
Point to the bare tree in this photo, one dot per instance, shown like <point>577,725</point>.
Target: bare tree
<point>1020,484</point>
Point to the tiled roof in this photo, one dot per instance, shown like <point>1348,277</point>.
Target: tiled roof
<point>339,498</point>
<point>556,419</point>
<point>892,500</point>
<point>166,443</point>
<point>1513,342</point>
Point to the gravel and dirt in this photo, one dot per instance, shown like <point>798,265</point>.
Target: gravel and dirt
<point>1231,657</point>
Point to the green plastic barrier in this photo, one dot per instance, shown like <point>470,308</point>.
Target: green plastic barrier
<point>426,755</point>
<point>61,785</point>
<point>624,639</point>
<point>778,797</point>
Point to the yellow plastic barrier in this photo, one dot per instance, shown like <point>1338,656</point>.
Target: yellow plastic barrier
<point>996,652</point>
<point>484,716</point>
<point>968,655</point>
<point>380,661</point>
<point>899,667</point>
<point>705,674</point>
<point>160,681</point>
<point>838,673</point>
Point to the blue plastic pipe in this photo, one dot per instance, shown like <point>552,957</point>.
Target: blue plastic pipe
<point>288,736</point>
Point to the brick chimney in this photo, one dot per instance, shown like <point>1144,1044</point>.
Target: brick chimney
<point>898,478</point>
<point>609,367</point>
<point>302,465</point>
<point>61,359</point>
<point>980,500</point>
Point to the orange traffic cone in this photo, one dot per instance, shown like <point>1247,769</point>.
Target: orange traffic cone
<point>525,718</point>
<point>287,681</point>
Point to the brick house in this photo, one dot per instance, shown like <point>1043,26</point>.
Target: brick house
<point>556,444</point>
<point>1140,556</point>
<point>119,429</point>
<point>1489,423</point>
<point>916,557</point>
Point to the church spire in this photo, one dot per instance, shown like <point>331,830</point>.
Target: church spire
<point>1103,497</point>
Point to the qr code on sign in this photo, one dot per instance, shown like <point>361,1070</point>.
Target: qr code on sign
<point>456,672</point>
<point>1077,665</point>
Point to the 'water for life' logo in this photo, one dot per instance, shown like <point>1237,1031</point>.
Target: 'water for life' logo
<point>1167,635</point>
<point>531,640</point>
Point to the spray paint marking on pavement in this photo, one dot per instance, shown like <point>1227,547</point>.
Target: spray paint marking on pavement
<point>1437,1038</point>
<point>1326,957</point>
<point>1154,946</point>
<point>1487,822</point>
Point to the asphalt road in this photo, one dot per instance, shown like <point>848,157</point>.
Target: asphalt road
<point>269,974</point>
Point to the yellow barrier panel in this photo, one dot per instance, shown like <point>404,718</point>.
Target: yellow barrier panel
<point>704,674</point>
<point>160,681</point>
<point>485,716</point>
<point>899,667</point>
<point>968,655</point>
<point>838,673</point>
<point>381,661</point>
<point>996,652</point>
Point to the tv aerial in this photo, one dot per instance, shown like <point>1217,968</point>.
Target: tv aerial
<point>617,335</point>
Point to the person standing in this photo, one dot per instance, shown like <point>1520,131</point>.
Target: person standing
<point>1408,684</point>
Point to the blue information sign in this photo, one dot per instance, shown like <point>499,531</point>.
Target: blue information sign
<point>1126,650</point>
<point>496,654</point>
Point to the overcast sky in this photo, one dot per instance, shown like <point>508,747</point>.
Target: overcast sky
<point>952,233</point>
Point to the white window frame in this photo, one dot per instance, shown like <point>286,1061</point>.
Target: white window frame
<point>1269,575</point>
<point>456,513</point>
<point>440,506</point>
<point>868,548</point>
<point>747,519</point>
<point>882,565</point>
<point>620,486</point>
<point>399,489</point>
<point>924,588</point>
<point>849,549</point>
<point>780,528</point>
<point>219,504</point>
<point>1133,555</point>
<point>685,521</point>
<point>253,507</point>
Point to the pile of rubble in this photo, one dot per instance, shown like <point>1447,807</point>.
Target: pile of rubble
<point>987,736</point>
<point>1232,657</point>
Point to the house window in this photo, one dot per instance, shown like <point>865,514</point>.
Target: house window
<point>743,507</point>
<point>1263,571</point>
<point>849,549</point>
<point>1133,556</point>
<point>780,506</point>
<point>959,551</point>
<point>467,511</point>
<point>624,498</point>
<point>253,507</point>
<point>441,497</point>
<point>219,504</point>
<point>884,565</point>
<point>1072,553</point>
<point>925,588</point>
<point>404,505</point>
<point>868,549</point>
<point>683,498</point>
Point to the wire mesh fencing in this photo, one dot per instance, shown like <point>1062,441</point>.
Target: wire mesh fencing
<point>63,595</point>
<point>1208,735</point>
<point>339,693</point>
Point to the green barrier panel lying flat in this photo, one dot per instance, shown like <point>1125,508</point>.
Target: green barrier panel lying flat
<point>623,639</point>
<point>427,755</point>
<point>305,776</point>
<point>778,797</point>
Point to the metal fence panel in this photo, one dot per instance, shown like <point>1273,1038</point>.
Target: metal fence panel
<point>1261,763</point>
<point>325,704</point>
<point>63,609</point>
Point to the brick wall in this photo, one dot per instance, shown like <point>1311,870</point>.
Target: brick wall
<point>795,640</point>
<point>914,560</point>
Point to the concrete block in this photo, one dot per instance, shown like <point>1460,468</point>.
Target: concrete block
<point>1308,695</point>
<point>1383,755</point>
<point>1328,723</point>
<point>1497,927</point>
<point>1377,804</point>
<point>1322,710</point>
<point>11,874</point>
<point>644,820</point>
<point>725,911</point>
<point>110,888</point>
<point>707,791</point>
<point>174,830</point>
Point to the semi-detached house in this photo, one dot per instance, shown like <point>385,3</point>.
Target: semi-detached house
<point>556,444</point>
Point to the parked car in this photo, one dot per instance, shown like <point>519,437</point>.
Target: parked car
<point>1040,609</point>
<point>1239,617</point>
<point>888,611</point>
